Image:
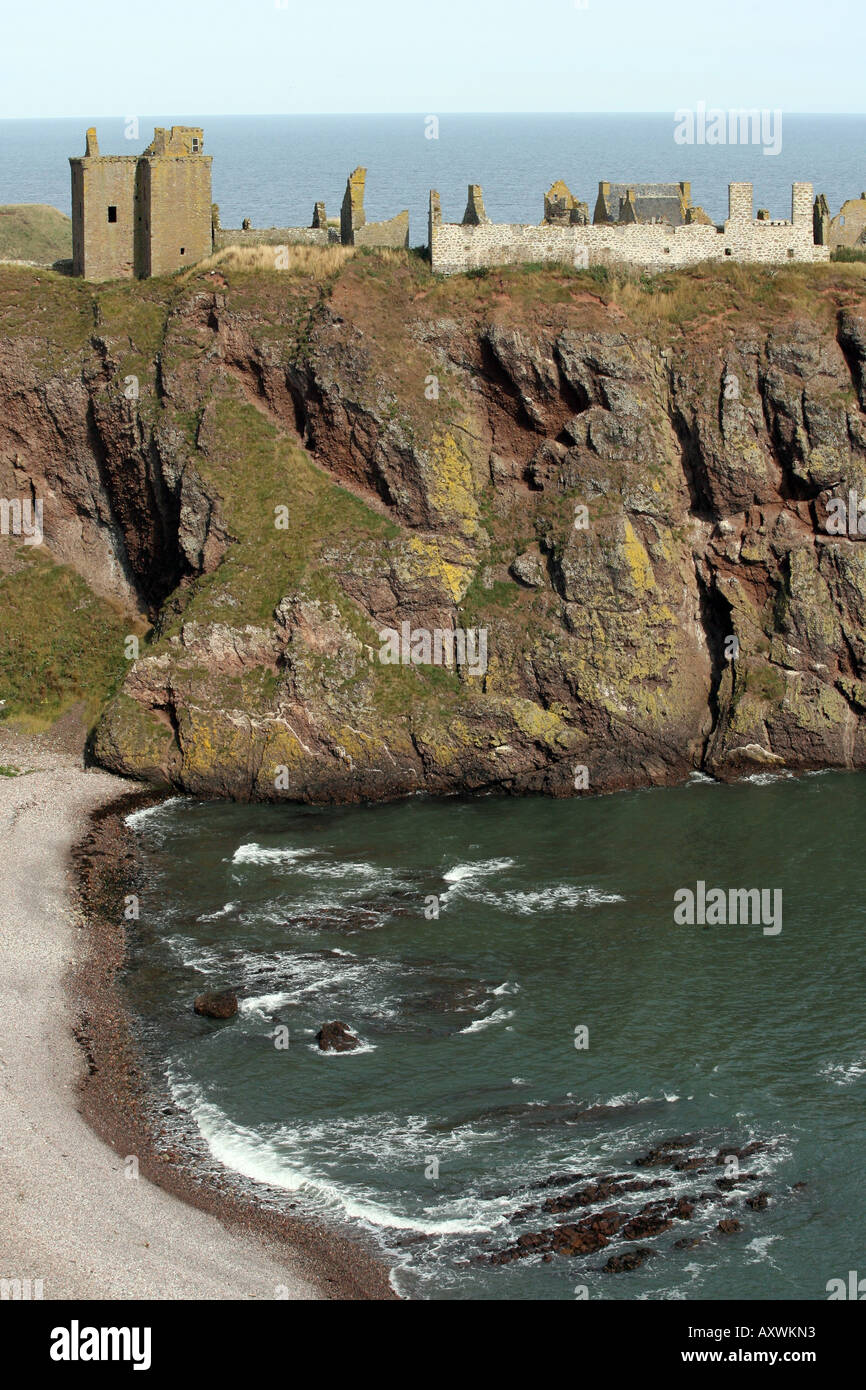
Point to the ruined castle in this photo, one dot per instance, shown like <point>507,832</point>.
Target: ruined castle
<point>151,214</point>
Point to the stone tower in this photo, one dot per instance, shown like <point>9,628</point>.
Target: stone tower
<point>801,203</point>
<point>140,215</point>
<point>740,201</point>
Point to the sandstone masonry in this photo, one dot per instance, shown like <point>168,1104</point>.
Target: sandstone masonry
<point>145,214</point>
<point>151,214</point>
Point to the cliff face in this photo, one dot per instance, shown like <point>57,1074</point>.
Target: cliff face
<point>614,481</point>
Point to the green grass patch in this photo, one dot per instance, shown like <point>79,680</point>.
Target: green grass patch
<point>255,470</point>
<point>60,645</point>
<point>34,232</point>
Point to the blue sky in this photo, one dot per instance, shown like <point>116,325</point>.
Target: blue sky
<point>115,57</point>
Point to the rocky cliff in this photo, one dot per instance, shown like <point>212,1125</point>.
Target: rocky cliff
<point>259,472</point>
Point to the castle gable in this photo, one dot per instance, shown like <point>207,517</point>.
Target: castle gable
<point>177,143</point>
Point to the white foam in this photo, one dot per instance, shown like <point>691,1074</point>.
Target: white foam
<point>352,1052</point>
<point>345,870</point>
<point>700,779</point>
<point>498,1016</point>
<point>246,1153</point>
<point>760,1248</point>
<point>259,854</point>
<point>265,1003</point>
<point>220,912</point>
<point>135,818</point>
<point>549,899</point>
<point>843,1073</point>
<point>463,873</point>
<point>763,779</point>
<point>632,1098</point>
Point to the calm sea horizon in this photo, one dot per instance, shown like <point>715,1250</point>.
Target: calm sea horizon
<point>272,169</point>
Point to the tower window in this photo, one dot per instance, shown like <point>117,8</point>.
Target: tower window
<point>112,212</point>
<point>183,250</point>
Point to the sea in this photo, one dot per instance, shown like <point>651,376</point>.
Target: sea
<point>533,1014</point>
<point>272,169</point>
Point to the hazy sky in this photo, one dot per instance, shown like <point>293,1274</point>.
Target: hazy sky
<point>185,57</point>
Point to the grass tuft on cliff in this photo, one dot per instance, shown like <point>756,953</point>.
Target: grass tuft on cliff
<point>319,262</point>
<point>60,645</point>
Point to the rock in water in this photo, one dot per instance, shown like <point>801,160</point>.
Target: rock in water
<point>628,1260</point>
<point>729,1226</point>
<point>335,1037</point>
<point>223,1004</point>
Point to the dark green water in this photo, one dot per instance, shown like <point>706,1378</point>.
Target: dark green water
<point>552,916</point>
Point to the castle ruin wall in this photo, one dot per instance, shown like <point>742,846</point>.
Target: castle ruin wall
<point>458,247</point>
<point>274,236</point>
<point>393,234</point>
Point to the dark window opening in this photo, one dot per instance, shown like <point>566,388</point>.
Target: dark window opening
<point>183,250</point>
<point>112,213</point>
<point>727,250</point>
<point>790,253</point>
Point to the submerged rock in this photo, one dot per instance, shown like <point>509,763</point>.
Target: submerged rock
<point>662,1154</point>
<point>335,1037</point>
<point>628,1260</point>
<point>645,1225</point>
<point>597,1229</point>
<point>759,1201</point>
<point>221,1004</point>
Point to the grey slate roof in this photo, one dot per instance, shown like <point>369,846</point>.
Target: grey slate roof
<point>653,201</point>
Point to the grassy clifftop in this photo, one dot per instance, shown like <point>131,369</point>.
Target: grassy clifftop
<point>34,232</point>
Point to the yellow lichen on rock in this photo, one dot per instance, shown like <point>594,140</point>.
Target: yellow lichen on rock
<point>639,564</point>
<point>450,488</point>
